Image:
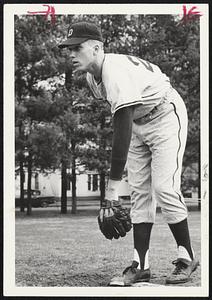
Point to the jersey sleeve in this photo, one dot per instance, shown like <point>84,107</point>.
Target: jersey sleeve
<point>120,88</point>
<point>122,131</point>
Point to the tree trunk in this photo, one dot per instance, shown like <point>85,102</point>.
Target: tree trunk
<point>139,22</point>
<point>21,185</point>
<point>29,182</point>
<point>73,182</point>
<point>64,188</point>
<point>102,187</point>
<point>22,175</point>
<point>199,184</point>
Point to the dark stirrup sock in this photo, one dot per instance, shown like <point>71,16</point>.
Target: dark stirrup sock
<point>141,235</point>
<point>180,232</point>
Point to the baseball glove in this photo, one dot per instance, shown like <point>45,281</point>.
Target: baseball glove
<point>114,220</point>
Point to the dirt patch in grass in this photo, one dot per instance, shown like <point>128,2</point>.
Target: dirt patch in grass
<point>69,250</point>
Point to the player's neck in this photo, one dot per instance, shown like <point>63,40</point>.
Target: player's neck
<point>96,68</point>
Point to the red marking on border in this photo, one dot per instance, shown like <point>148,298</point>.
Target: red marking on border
<point>49,12</point>
<point>189,15</point>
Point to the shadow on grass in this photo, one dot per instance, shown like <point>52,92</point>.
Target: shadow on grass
<point>55,212</point>
<point>51,212</point>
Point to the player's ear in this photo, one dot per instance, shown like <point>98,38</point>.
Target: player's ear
<point>96,49</point>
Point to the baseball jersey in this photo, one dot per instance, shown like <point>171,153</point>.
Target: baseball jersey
<point>128,80</point>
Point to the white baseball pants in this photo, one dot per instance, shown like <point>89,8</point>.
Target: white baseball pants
<point>155,163</point>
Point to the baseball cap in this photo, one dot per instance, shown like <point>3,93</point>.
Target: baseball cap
<point>81,32</point>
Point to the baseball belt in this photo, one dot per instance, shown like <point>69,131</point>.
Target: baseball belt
<point>147,118</point>
<point>152,114</point>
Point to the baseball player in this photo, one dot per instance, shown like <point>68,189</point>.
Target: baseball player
<point>150,130</point>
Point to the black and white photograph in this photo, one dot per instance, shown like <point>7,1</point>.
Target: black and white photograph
<point>106,150</point>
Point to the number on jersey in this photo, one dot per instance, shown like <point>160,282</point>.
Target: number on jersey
<point>136,61</point>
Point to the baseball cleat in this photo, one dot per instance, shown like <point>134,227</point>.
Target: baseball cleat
<point>130,276</point>
<point>183,270</point>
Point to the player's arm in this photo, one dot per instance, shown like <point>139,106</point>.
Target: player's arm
<point>114,220</point>
<point>122,131</point>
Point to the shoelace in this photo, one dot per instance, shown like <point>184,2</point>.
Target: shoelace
<point>131,268</point>
<point>180,266</point>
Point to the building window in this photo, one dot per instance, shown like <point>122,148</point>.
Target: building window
<point>68,182</point>
<point>36,182</point>
<point>89,182</point>
<point>95,182</point>
<point>92,182</point>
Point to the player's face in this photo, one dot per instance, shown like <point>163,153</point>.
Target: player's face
<point>82,57</point>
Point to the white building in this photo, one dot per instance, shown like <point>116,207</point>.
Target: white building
<point>87,184</point>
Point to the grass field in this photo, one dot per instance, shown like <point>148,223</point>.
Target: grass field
<point>69,250</point>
